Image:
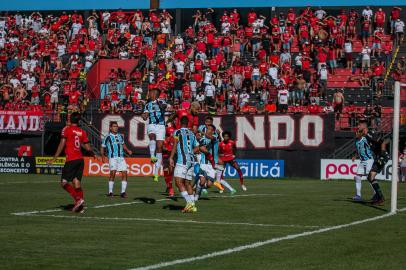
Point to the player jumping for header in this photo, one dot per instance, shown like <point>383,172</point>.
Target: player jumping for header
<point>154,112</point>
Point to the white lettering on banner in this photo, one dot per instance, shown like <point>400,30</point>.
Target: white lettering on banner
<point>34,123</point>
<point>22,122</point>
<point>105,124</point>
<point>217,124</point>
<point>305,122</point>
<point>274,125</point>
<point>255,134</point>
<point>135,123</point>
<point>346,169</point>
<point>10,124</point>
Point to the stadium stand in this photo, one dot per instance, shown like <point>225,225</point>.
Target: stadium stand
<point>231,64</point>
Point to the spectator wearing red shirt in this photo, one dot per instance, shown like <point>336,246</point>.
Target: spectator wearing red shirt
<point>379,18</point>
<point>394,15</point>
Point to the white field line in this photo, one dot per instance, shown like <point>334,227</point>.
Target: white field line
<point>178,221</point>
<point>136,202</point>
<point>29,182</point>
<point>261,243</point>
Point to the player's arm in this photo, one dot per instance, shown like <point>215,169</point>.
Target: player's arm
<point>145,114</point>
<point>173,152</point>
<point>61,146</point>
<point>172,117</point>
<point>103,157</point>
<point>89,149</point>
<point>127,150</point>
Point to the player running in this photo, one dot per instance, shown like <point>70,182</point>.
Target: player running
<point>186,146</point>
<point>72,139</point>
<point>168,170</point>
<point>364,153</point>
<point>226,153</point>
<point>114,143</point>
<point>154,112</point>
<point>378,146</point>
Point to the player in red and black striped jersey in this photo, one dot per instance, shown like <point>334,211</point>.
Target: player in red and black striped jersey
<point>73,137</point>
<point>227,156</point>
<point>168,146</point>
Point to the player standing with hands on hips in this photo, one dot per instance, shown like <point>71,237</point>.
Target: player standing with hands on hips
<point>73,137</point>
<point>114,143</point>
<point>154,112</point>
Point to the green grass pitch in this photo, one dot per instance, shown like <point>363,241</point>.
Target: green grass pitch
<point>147,228</point>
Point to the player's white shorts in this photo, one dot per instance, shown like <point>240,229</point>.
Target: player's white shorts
<point>364,167</point>
<point>117,164</point>
<point>208,169</point>
<point>158,130</point>
<point>184,171</point>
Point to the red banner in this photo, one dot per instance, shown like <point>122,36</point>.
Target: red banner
<point>16,122</point>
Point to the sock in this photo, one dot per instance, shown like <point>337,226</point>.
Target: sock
<point>111,185</point>
<point>198,191</point>
<point>79,193</point>
<point>152,147</point>
<point>377,188</point>
<point>185,195</point>
<point>241,176</point>
<point>219,172</point>
<point>192,198</point>
<point>123,186</point>
<point>226,184</point>
<point>68,187</point>
<point>168,179</point>
<point>158,163</point>
<point>358,185</point>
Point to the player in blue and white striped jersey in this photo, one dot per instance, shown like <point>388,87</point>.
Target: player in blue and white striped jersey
<point>154,113</point>
<point>365,154</point>
<point>115,146</point>
<point>185,147</point>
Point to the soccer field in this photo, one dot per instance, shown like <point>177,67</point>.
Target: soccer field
<point>276,224</point>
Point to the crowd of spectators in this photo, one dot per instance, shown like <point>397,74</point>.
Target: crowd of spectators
<point>229,64</point>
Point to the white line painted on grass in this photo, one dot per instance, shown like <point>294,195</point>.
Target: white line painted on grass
<point>261,243</point>
<point>137,202</point>
<point>28,182</point>
<point>179,221</point>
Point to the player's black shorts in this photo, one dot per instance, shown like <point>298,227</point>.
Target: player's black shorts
<point>73,169</point>
<point>379,162</point>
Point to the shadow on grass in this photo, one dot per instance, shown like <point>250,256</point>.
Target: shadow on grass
<point>67,207</point>
<point>145,200</point>
<point>364,203</point>
<point>173,207</point>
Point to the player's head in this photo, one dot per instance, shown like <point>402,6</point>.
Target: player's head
<point>113,127</point>
<point>208,120</point>
<point>75,118</point>
<point>362,127</point>
<point>210,130</point>
<point>226,135</point>
<point>194,108</point>
<point>184,121</point>
<point>169,131</point>
<point>153,93</point>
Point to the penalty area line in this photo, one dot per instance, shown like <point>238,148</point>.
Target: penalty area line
<point>261,243</point>
<point>29,213</point>
<point>179,221</point>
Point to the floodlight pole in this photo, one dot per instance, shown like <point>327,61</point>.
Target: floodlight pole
<point>395,148</point>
